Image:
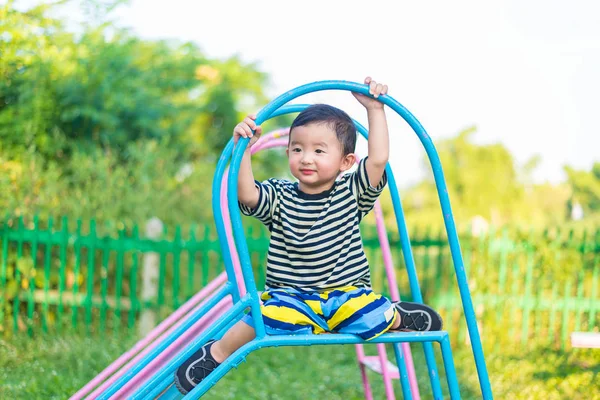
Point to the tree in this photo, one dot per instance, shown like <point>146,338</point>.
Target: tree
<point>586,187</point>
<point>483,181</point>
<point>28,110</point>
<point>87,120</point>
<point>106,88</point>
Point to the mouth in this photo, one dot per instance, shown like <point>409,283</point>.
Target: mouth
<point>307,171</point>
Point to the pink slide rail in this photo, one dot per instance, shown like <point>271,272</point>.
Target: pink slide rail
<point>121,365</point>
<point>381,357</point>
<point>111,373</point>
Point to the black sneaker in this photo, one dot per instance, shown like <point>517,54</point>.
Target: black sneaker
<point>195,369</point>
<point>418,317</point>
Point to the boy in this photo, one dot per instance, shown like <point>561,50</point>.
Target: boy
<point>318,277</point>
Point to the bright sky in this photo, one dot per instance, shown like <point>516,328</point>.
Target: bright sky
<point>526,73</point>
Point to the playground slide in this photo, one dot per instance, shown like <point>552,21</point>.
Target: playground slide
<point>123,364</point>
<point>161,334</point>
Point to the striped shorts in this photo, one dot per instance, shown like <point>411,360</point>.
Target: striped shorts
<point>349,309</point>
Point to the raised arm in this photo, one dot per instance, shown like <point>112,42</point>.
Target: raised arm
<point>247,190</point>
<point>379,147</point>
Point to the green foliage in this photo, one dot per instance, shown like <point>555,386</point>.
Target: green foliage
<point>483,182</point>
<point>27,106</point>
<point>106,89</point>
<point>125,90</point>
<point>482,179</point>
<point>586,188</point>
<point>105,125</point>
<point>152,181</point>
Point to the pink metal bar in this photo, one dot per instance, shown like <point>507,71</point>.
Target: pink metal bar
<point>109,381</point>
<point>237,268</point>
<point>392,283</point>
<point>360,353</point>
<point>174,349</point>
<point>147,340</point>
<point>385,372</point>
<point>265,142</point>
<point>276,134</point>
<point>375,364</point>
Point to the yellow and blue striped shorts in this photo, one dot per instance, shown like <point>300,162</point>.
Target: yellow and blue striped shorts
<point>350,309</point>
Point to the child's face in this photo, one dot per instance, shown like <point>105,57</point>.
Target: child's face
<point>315,157</point>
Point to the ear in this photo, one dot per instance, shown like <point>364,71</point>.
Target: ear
<point>347,162</point>
<point>287,152</point>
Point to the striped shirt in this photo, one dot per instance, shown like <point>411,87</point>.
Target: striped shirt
<point>315,238</point>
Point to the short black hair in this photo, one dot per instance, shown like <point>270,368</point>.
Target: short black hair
<point>334,118</point>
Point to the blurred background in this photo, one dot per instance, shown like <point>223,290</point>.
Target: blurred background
<point>113,113</point>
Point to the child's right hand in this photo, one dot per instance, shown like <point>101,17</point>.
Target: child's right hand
<point>244,129</point>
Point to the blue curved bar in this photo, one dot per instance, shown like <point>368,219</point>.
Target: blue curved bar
<point>150,389</point>
<point>440,182</point>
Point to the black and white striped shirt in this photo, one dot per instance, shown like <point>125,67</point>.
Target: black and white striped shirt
<point>315,239</point>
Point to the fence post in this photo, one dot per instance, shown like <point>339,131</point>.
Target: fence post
<point>149,290</point>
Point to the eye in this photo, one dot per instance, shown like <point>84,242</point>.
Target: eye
<point>296,150</point>
<point>319,151</point>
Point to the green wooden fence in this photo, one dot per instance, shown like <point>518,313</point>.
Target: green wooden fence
<point>73,275</point>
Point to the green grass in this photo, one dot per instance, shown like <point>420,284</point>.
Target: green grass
<point>51,367</point>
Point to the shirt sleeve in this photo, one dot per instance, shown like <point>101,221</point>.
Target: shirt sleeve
<point>267,197</point>
<point>364,193</point>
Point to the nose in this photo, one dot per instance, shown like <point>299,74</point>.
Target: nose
<point>306,159</point>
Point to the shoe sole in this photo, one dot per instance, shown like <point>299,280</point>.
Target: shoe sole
<point>178,386</point>
<point>421,311</point>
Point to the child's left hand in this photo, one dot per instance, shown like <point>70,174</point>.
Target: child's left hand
<point>375,89</point>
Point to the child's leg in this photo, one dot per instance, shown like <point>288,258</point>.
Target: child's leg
<point>359,311</point>
<point>211,355</point>
<point>239,334</point>
<point>362,312</point>
<point>292,312</point>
